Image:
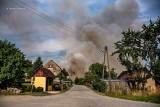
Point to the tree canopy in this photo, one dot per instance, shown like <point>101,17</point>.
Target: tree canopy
<point>11,63</point>
<point>38,63</point>
<point>63,75</point>
<point>28,68</point>
<point>138,50</point>
<point>97,68</point>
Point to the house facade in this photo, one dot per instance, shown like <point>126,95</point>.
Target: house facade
<point>53,67</point>
<point>133,78</point>
<point>43,77</point>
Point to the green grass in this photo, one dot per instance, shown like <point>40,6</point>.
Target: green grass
<point>155,98</point>
<point>146,98</point>
<point>25,93</point>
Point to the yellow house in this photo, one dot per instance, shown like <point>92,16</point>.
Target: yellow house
<point>43,77</point>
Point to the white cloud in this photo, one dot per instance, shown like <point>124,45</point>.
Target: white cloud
<point>51,45</point>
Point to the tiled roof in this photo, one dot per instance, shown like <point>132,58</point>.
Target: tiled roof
<point>43,72</point>
<point>48,72</point>
<point>51,62</point>
<point>126,75</point>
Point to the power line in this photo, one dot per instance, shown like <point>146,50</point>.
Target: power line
<point>44,16</point>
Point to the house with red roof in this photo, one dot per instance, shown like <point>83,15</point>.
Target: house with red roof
<point>43,77</point>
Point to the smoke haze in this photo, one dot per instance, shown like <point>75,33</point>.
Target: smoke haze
<point>80,45</point>
<point>104,29</point>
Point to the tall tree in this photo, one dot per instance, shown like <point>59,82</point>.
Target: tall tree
<point>28,68</point>
<point>139,47</point>
<point>38,63</point>
<point>63,75</point>
<point>150,50</point>
<point>97,68</point>
<point>11,63</point>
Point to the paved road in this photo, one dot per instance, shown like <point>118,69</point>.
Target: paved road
<point>78,96</point>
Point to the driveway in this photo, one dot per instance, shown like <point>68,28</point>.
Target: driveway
<point>78,96</point>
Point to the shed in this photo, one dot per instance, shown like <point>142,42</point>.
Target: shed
<point>43,77</point>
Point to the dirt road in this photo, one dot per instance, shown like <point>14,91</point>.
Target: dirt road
<point>78,96</point>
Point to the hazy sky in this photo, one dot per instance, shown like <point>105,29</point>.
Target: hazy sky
<point>58,31</point>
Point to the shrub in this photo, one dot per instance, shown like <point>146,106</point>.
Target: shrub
<point>99,86</point>
<point>39,89</point>
<point>28,88</point>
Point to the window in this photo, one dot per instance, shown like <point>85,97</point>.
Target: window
<point>50,66</point>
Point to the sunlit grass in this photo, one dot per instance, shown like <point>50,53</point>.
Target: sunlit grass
<point>155,98</point>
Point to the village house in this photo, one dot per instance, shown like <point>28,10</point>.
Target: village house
<point>46,76</point>
<point>127,76</point>
<point>53,67</point>
<point>43,77</point>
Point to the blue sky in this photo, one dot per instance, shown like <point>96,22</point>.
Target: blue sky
<point>36,36</point>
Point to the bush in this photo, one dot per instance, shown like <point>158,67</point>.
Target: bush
<point>99,86</point>
<point>28,88</point>
<point>39,89</point>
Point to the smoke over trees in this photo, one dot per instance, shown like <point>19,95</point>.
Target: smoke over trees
<point>77,38</point>
<point>104,29</point>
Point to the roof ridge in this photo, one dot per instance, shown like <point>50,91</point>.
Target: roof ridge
<point>53,62</point>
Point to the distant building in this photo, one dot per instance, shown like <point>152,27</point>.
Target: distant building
<point>53,67</point>
<point>133,78</point>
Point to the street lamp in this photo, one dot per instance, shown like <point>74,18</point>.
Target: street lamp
<point>106,50</point>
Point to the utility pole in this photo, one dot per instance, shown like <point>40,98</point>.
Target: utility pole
<point>106,50</point>
<point>110,87</point>
<point>104,62</point>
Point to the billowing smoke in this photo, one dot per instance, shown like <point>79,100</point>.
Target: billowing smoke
<point>81,48</point>
<point>76,65</point>
<point>103,30</point>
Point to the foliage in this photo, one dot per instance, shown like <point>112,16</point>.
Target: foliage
<point>99,86</point>
<point>28,68</point>
<point>97,68</point>
<point>90,77</point>
<point>139,47</point>
<point>28,88</point>
<point>155,98</point>
<point>38,63</point>
<point>39,89</point>
<point>63,75</point>
<point>113,74</point>
<point>79,81</point>
<point>11,64</point>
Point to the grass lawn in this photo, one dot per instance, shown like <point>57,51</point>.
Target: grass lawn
<point>155,98</point>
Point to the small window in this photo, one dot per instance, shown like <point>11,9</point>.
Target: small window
<point>50,66</point>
